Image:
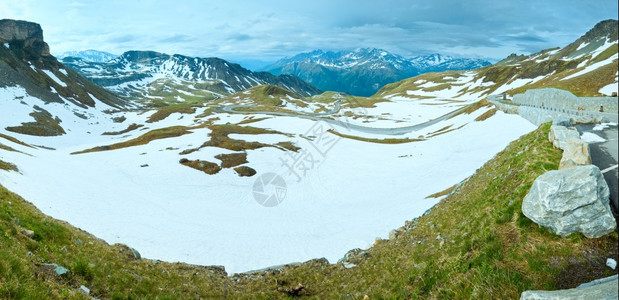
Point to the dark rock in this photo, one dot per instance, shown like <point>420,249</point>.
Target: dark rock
<point>129,253</point>
<point>136,254</point>
<point>84,290</point>
<point>563,121</point>
<point>57,269</point>
<point>25,35</point>
<point>354,256</point>
<point>245,171</point>
<point>29,233</point>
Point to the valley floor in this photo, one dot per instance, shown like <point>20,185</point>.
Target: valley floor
<point>340,193</point>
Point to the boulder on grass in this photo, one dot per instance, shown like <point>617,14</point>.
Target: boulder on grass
<point>605,288</point>
<point>571,200</point>
<point>576,153</point>
<point>559,135</point>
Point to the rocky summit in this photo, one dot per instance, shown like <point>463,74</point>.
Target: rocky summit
<point>25,35</point>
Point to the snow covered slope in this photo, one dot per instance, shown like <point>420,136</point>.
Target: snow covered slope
<point>363,71</point>
<point>332,172</point>
<point>89,55</point>
<point>153,75</point>
<point>586,67</point>
<point>340,192</point>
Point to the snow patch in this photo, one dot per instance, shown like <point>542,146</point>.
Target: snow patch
<point>591,138</point>
<point>345,204</point>
<point>593,67</point>
<point>54,78</point>
<point>609,89</point>
<point>602,126</point>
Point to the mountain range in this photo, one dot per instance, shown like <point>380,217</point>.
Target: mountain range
<point>585,67</point>
<point>25,61</point>
<point>153,76</point>
<point>364,71</point>
<point>169,202</point>
<point>89,55</point>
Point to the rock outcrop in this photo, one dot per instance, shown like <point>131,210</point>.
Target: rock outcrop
<point>25,35</point>
<point>562,121</point>
<point>575,153</point>
<point>605,288</point>
<point>571,200</point>
<point>559,135</point>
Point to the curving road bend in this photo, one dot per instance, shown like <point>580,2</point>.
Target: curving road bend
<point>604,155</point>
<point>344,124</point>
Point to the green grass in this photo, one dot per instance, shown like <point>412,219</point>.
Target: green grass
<point>401,87</point>
<point>166,111</point>
<point>610,51</point>
<point>164,92</point>
<point>162,133</point>
<point>129,128</point>
<point>486,249</point>
<point>14,140</point>
<point>586,85</point>
<point>7,148</point>
<point>262,95</point>
<point>207,167</point>
<point>232,159</point>
<point>7,166</point>
<point>502,73</point>
<point>44,125</point>
<point>219,138</point>
<point>110,271</point>
<point>373,140</point>
<point>245,171</point>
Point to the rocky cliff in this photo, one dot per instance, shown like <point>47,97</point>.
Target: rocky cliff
<point>25,61</point>
<point>24,35</point>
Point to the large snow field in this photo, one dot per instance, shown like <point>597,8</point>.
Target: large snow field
<point>340,193</point>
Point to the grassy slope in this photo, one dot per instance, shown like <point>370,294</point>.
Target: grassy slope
<point>502,73</point>
<point>162,133</point>
<point>486,249</point>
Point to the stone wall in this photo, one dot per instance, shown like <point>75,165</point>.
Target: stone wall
<point>561,99</point>
<point>540,115</point>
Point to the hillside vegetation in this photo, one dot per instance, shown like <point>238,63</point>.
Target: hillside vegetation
<point>583,67</point>
<point>474,244</point>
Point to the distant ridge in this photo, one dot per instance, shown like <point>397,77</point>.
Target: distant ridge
<point>585,67</point>
<point>89,55</point>
<point>363,71</point>
<point>141,74</point>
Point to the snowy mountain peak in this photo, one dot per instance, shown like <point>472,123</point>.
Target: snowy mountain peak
<point>140,74</point>
<point>364,70</point>
<point>89,55</point>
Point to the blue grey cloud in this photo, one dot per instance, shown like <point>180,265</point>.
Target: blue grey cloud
<point>177,38</point>
<point>271,29</point>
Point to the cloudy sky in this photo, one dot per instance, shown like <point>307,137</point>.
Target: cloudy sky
<point>267,30</point>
